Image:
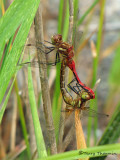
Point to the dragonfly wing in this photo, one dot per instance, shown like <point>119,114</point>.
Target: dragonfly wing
<point>92,113</point>
<point>52,57</point>
<point>36,64</point>
<point>77,38</point>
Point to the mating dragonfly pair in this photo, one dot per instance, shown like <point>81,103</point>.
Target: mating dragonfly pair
<point>66,51</point>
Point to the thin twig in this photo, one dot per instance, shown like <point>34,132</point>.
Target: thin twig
<point>44,82</point>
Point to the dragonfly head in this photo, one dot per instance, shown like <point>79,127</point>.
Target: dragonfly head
<point>56,39</point>
<point>85,96</point>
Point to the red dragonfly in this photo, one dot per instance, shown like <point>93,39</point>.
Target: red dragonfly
<point>66,51</point>
<point>82,95</point>
<point>73,104</point>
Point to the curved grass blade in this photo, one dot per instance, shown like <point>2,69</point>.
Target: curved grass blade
<point>9,68</point>
<point>38,132</point>
<point>88,152</point>
<point>112,132</point>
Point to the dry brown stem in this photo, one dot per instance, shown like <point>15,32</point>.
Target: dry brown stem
<point>71,9</point>
<point>80,139</point>
<point>44,82</point>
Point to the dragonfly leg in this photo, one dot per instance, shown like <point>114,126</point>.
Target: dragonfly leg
<point>50,50</point>
<point>45,51</point>
<point>39,47</point>
<point>48,42</point>
<point>44,44</point>
<point>57,59</point>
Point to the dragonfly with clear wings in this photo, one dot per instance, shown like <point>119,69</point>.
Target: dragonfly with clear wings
<point>66,51</point>
<point>78,103</point>
<point>82,95</point>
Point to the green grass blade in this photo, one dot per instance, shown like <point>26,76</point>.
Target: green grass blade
<point>13,18</point>
<point>37,128</point>
<point>2,110</point>
<point>22,120</point>
<point>9,68</point>
<point>7,51</point>
<point>60,16</point>
<point>114,77</point>
<point>76,7</point>
<point>112,132</point>
<point>57,81</point>
<point>98,151</point>
<point>57,90</point>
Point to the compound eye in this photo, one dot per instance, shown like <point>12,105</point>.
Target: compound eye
<point>85,96</point>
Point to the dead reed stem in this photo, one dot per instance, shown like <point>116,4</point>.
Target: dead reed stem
<point>71,10</point>
<point>80,139</point>
<point>44,81</point>
<point>61,131</point>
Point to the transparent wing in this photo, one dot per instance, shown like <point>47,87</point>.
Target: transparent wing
<point>52,57</point>
<point>92,113</point>
<point>36,63</point>
<point>87,111</point>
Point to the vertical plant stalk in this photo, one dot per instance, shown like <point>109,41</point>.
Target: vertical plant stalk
<point>44,82</point>
<point>22,120</point>
<point>28,115</point>
<point>61,131</point>
<point>14,120</point>
<point>71,8</point>
<point>62,118</point>
<point>80,139</point>
<point>29,119</point>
